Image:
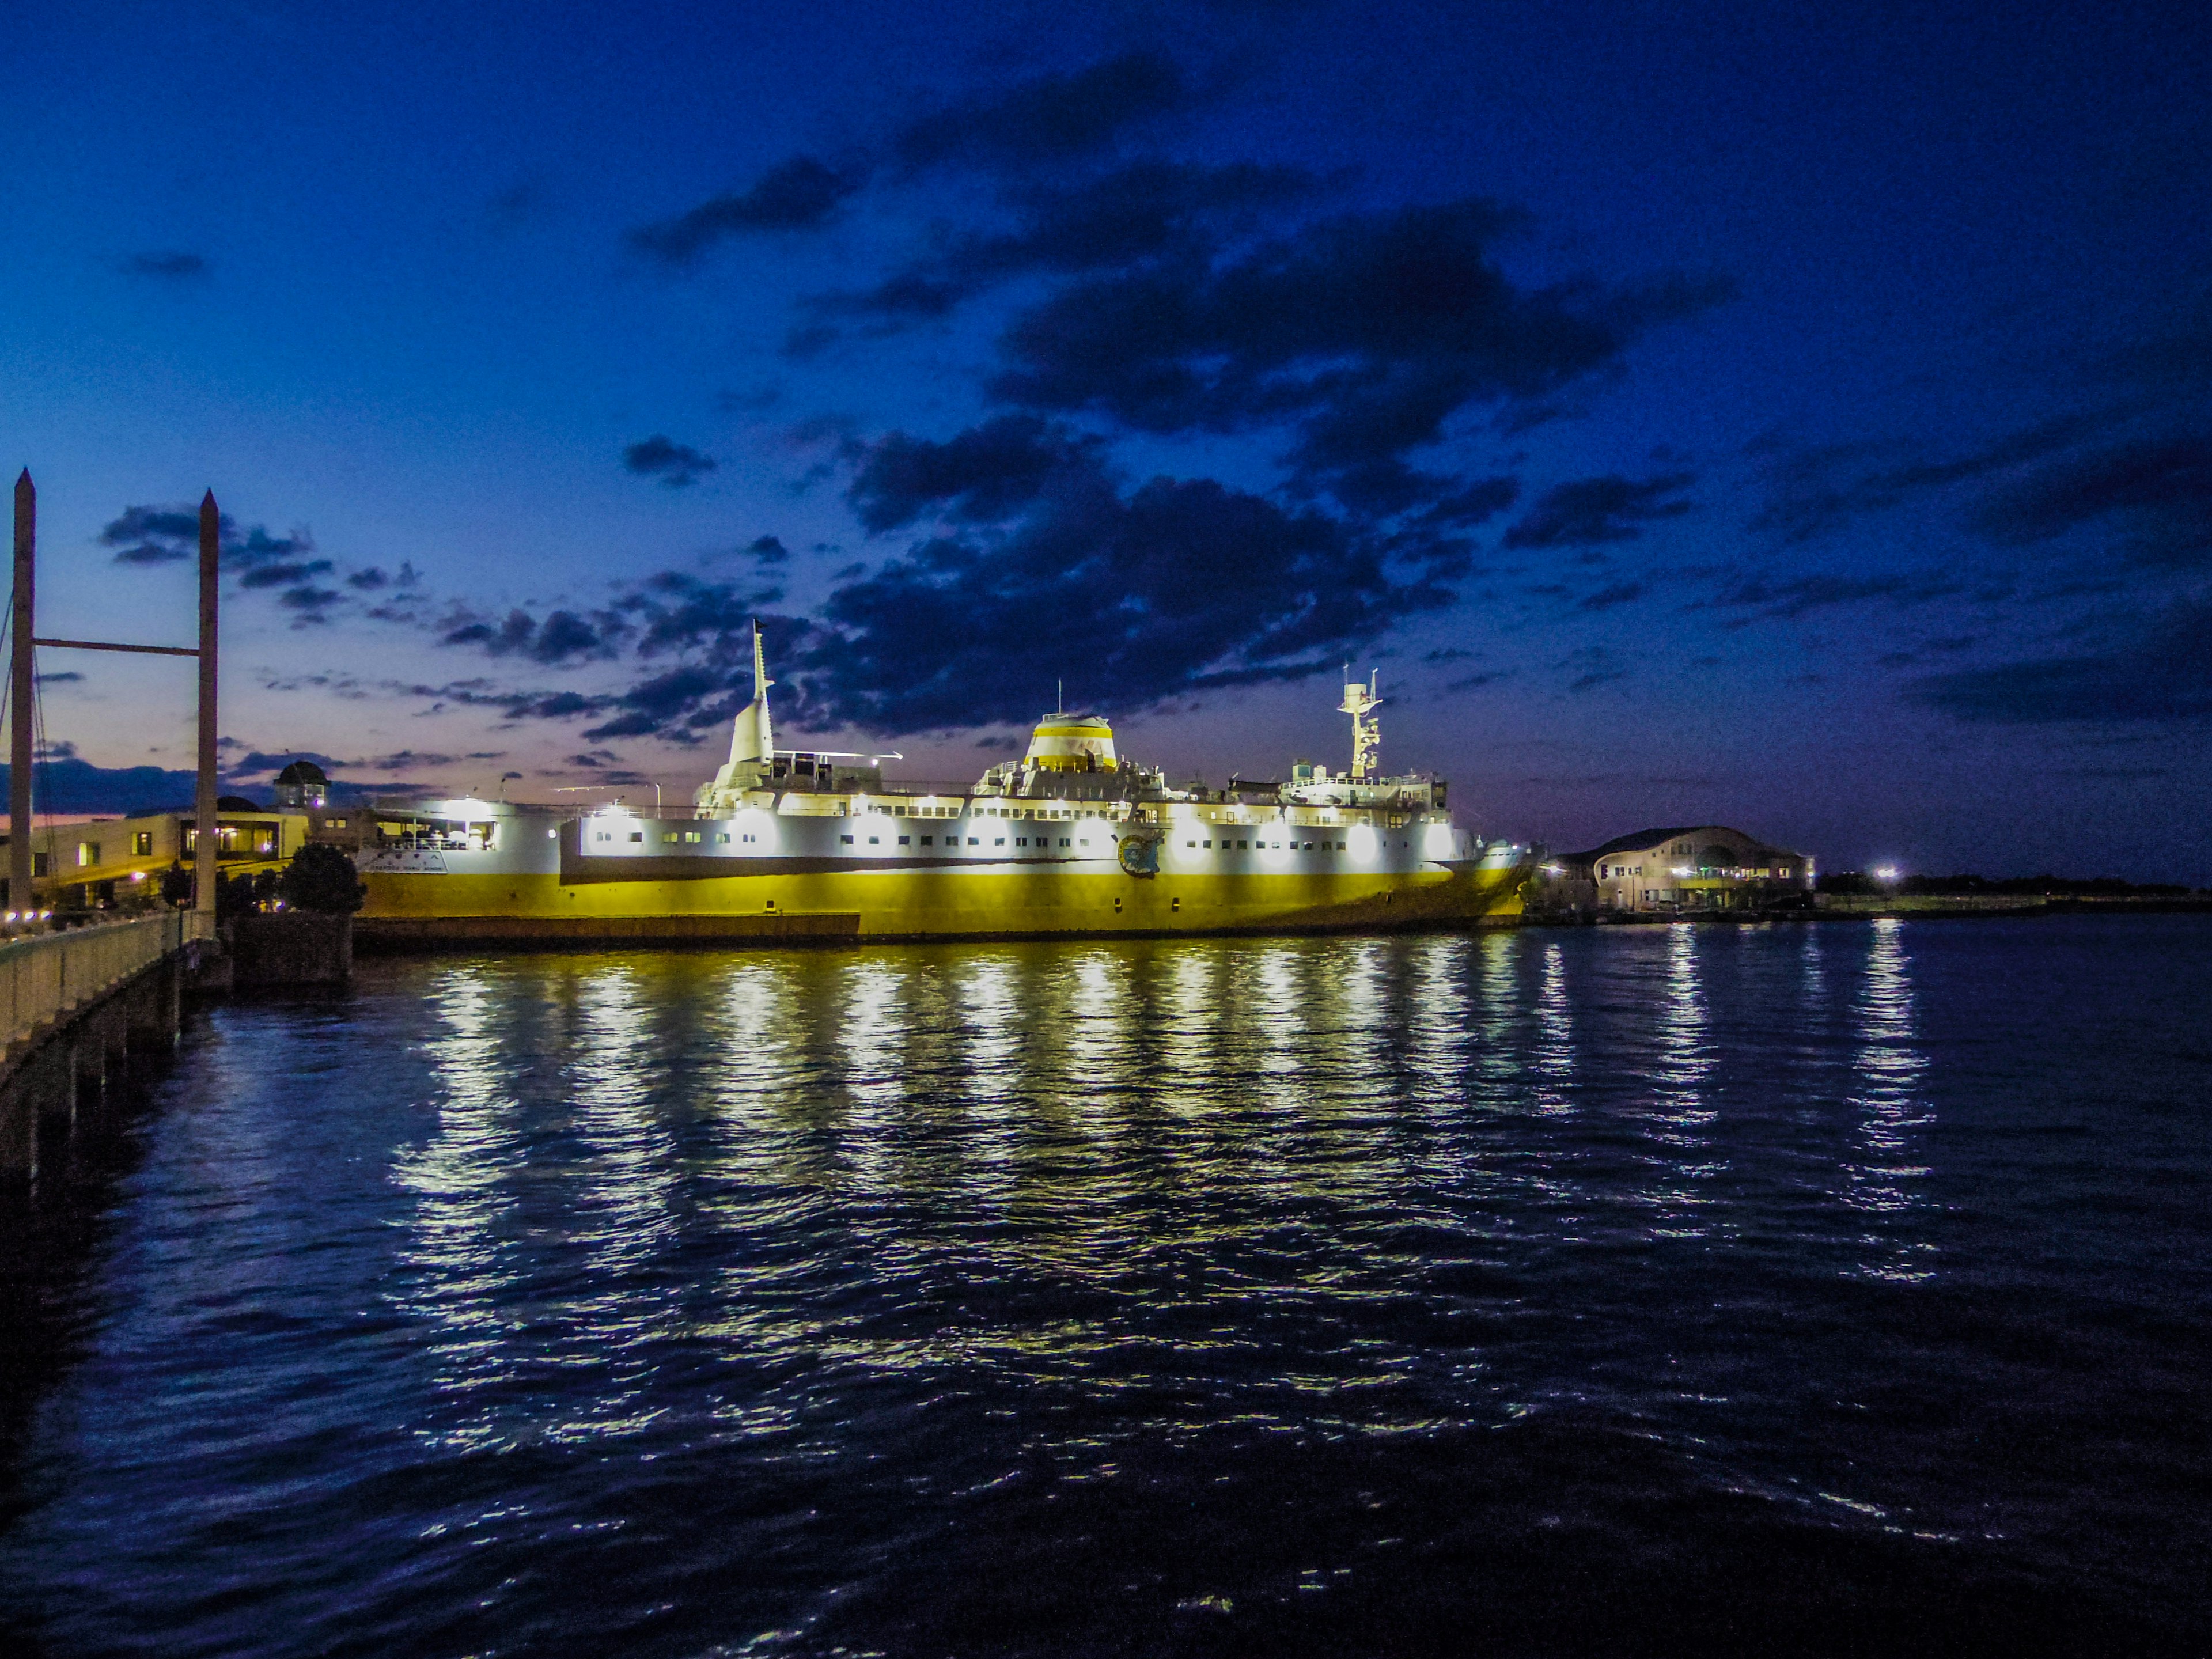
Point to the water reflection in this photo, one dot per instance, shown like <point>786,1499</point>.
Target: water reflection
<point>1887,1064</point>
<point>1552,1060</point>
<point>625,1212</point>
<point>1683,1116</point>
<point>458,1262</point>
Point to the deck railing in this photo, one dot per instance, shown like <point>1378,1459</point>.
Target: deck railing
<point>45,977</point>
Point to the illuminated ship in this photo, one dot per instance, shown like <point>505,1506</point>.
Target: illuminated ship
<point>1071,838</point>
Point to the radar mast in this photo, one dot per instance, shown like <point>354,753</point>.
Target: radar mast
<point>1360,701</point>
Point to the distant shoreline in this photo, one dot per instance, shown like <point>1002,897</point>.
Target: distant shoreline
<point>1916,907</point>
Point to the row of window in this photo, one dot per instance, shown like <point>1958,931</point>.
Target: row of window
<point>972,841</point>
<point>1275,846</point>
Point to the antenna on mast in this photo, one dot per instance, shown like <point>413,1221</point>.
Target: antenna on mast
<point>1360,701</point>
<point>1060,697</point>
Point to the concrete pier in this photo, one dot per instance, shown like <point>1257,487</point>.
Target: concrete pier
<point>73,1007</point>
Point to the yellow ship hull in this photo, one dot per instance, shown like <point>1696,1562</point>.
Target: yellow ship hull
<point>913,904</point>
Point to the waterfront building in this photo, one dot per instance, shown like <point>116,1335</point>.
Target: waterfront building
<point>97,861</point>
<point>302,785</point>
<point>1688,867</point>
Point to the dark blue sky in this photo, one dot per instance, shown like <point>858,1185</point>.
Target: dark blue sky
<point>1797,422</point>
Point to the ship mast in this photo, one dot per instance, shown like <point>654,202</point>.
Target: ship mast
<point>1360,701</point>
<point>761,683</point>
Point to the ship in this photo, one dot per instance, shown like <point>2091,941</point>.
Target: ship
<point>1073,839</point>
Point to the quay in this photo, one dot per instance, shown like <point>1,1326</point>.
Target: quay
<point>73,1005</point>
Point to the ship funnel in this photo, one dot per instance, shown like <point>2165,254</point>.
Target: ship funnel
<point>1072,743</point>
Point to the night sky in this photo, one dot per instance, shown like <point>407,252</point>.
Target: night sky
<point>1695,413</point>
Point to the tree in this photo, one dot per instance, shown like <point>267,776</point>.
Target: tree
<point>322,879</point>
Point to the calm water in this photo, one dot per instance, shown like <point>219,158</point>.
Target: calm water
<point>1840,1289</point>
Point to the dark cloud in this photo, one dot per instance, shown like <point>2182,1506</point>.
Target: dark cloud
<point>164,535</point>
<point>2162,486</point>
<point>256,763</point>
<point>369,579</point>
<point>2163,675</point>
<point>1176,586</point>
<point>1145,210</point>
<point>67,677</point>
<point>562,636</point>
<point>1367,331</point>
<point>1795,596</point>
<point>1593,512</point>
<point>661,457</point>
<point>668,705</point>
<point>983,474</point>
<point>69,785</point>
<point>407,759</point>
<point>769,550</point>
<point>675,612</point>
<point>278,574</point>
<point>309,604</point>
<point>154,535</point>
<point>1052,118</point>
<point>171,265</point>
<point>1605,597</point>
<point>799,194</point>
<point>1811,492</point>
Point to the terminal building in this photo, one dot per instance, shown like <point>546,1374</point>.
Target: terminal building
<point>99,862</point>
<point>1687,868</point>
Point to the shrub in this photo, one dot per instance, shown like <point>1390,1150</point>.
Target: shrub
<point>322,879</point>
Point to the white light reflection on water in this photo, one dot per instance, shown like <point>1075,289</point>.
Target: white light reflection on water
<point>1887,1063</point>
<point>458,1260</point>
<point>870,1037</point>
<point>1552,1060</point>
<point>1438,1034</point>
<point>993,1022</point>
<point>627,1211</point>
<point>1497,1076</point>
<point>1683,1069</point>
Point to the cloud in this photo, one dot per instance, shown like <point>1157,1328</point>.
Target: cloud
<point>981,474</point>
<point>68,785</point>
<point>1593,512</point>
<point>170,265</point>
<point>1144,210</point>
<point>1172,587</point>
<point>67,677</point>
<point>2162,484</point>
<point>2165,674</point>
<point>408,758</point>
<point>1051,118</point>
<point>667,705</point>
<point>564,636</point>
<point>768,549</point>
<point>277,573</point>
<point>153,535</point>
<point>799,194</point>
<point>1811,492</point>
<point>1367,331</point>
<point>1605,597</point>
<point>164,535</point>
<point>661,455</point>
<point>1798,595</point>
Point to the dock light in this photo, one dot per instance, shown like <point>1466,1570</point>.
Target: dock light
<point>1438,842</point>
<point>1555,869</point>
<point>1363,842</point>
<point>11,915</point>
<point>1886,872</point>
